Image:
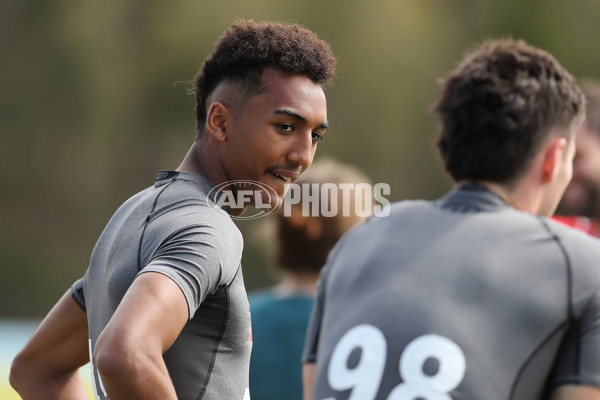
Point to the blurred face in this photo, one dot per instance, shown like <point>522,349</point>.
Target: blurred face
<point>581,194</point>
<point>272,137</point>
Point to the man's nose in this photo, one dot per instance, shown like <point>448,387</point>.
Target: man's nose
<point>303,150</point>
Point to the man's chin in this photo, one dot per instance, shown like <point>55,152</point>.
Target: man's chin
<point>258,207</point>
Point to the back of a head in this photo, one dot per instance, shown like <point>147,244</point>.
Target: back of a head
<point>247,48</point>
<point>300,248</point>
<point>498,107</point>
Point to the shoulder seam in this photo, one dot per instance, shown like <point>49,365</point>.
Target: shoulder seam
<point>567,264</point>
<point>147,220</point>
<point>571,316</point>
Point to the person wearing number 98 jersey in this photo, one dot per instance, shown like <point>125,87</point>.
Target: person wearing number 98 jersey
<point>478,295</point>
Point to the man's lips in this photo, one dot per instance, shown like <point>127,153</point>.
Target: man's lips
<point>285,174</point>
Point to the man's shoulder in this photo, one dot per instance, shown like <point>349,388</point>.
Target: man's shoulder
<point>401,209</point>
<point>575,241</point>
<point>182,206</point>
<point>198,219</point>
<point>187,199</point>
<point>585,224</point>
<point>398,216</point>
<point>411,205</point>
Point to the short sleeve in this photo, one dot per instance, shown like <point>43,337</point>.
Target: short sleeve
<point>77,293</point>
<point>577,359</point>
<point>579,352</point>
<point>199,259</point>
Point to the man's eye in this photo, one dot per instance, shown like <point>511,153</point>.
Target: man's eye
<point>286,127</point>
<point>317,137</point>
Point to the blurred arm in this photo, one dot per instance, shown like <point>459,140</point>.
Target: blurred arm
<point>128,353</point>
<point>47,367</point>
<point>308,379</point>
<point>576,392</point>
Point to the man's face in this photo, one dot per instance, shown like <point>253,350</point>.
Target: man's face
<point>272,137</point>
<point>581,194</point>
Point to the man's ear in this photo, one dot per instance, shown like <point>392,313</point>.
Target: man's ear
<point>553,156</point>
<point>217,120</point>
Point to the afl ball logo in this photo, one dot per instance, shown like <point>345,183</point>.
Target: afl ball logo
<point>240,194</point>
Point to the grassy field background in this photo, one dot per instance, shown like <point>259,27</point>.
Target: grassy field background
<point>7,392</point>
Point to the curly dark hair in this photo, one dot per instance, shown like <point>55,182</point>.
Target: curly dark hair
<point>247,48</point>
<point>498,106</point>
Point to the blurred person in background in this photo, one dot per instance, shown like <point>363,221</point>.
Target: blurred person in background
<point>162,310</point>
<point>280,313</point>
<point>580,205</point>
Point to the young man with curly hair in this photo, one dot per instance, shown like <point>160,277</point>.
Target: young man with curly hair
<point>478,295</point>
<point>162,310</point>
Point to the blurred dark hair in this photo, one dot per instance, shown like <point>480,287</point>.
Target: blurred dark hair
<point>298,250</point>
<point>247,48</point>
<point>498,106</point>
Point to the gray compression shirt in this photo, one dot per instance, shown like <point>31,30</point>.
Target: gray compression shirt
<point>173,228</point>
<point>464,298</point>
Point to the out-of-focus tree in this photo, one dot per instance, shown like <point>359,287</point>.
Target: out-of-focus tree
<point>94,99</point>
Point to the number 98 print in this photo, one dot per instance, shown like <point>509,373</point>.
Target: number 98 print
<point>365,378</point>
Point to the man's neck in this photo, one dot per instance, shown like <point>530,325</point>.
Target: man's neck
<point>198,161</point>
<point>201,161</point>
<point>515,196</point>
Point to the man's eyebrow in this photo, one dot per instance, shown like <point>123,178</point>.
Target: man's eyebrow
<point>299,117</point>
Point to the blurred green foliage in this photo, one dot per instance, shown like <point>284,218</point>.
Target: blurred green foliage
<point>95,99</point>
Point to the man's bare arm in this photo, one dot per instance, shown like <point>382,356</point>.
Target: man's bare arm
<point>47,367</point>
<point>128,353</point>
<point>308,379</point>
<point>576,392</point>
